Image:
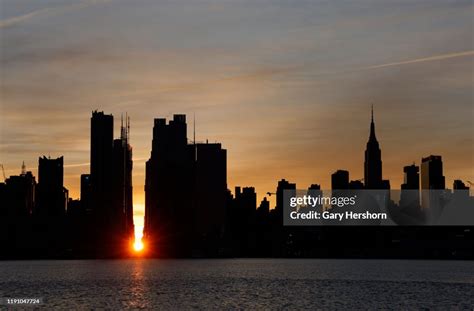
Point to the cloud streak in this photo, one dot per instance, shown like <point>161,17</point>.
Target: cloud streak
<point>395,64</point>
<point>12,21</point>
<point>422,60</point>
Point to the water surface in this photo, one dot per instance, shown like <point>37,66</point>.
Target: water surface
<point>241,283</point>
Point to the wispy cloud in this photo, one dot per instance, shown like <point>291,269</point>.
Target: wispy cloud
<point>424,59</point>
<point>432,58</point>
<point>48,12</point>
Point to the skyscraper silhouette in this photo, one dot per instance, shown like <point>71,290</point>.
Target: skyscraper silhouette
<point>121,183</point>
<point>51,205</point>
<point>282,186</point>
<point>410,194</point>
<point>340,180</point>
<point>52,197</point>
<point>432,178</point>
<point>169,191</point>
<point>210,188</point>
<point>102,133</point>
<point>110,185</point>
<point>185,190</point>
<point>373,160</point>
<point>411,177</point>
<point>432,173</point>
<point>19,196</point>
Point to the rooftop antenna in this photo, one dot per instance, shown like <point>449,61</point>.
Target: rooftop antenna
<point>372,112</point>
<point>194,128</point>
<point>3,171</point>
<point>128,128</point>
<point>194,135</point>
<point>122,131</point>
<point>23,168</point>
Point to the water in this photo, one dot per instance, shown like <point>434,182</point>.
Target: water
<point>242,283</point>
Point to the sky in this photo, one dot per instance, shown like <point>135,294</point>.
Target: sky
<point>285,86</point>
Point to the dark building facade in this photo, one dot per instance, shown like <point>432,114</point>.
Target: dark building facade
<point>356,185</point>
<point>121,183</point>
<point>108,188</point>
<point>410,189</point>
<point>282,186</point>
<point>432,173</point>
<point>52,197</point>
<point>211,187</point>
<point>169,189</point>
<point>432,178</point>
<point>411,179</point>
<point>102,132</point>
<point>340,180</point>
<point>185,189</point>
<point>19,195</point>
<point>86,193</point>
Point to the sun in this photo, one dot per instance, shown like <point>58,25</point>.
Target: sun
<point>138,246</point>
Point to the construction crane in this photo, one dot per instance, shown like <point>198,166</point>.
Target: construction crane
<point>3,171</point>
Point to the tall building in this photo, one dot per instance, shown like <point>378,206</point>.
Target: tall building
<point>432,173</point>
<point>121,183</point>
<point>185,188</point>
<point>52,197</point>
<point>110,185</point>
<point>432,179</point>
<point>373,160</point>
<point>169,192</point>
<point>340,180</point>
<point>411,178</point>
<point>102,132</point>
<point>211,187</point>
<point>19,195</point>
<point>410,195</point>
<point>282,186</point>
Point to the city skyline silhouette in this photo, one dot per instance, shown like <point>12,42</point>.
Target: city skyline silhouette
<point>190,210</point>
<point>139,215</point>
<point>285,88</point>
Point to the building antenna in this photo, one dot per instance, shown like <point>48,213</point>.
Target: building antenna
<point>128,127</point>
<point>122,130</point>
<point>194,135</point>
<point>23,168</point>
<point>372,112</point>
<point>3,171</point>
<point>194,128</point>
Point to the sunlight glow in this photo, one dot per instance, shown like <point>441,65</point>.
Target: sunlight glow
<point>138,245</point>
